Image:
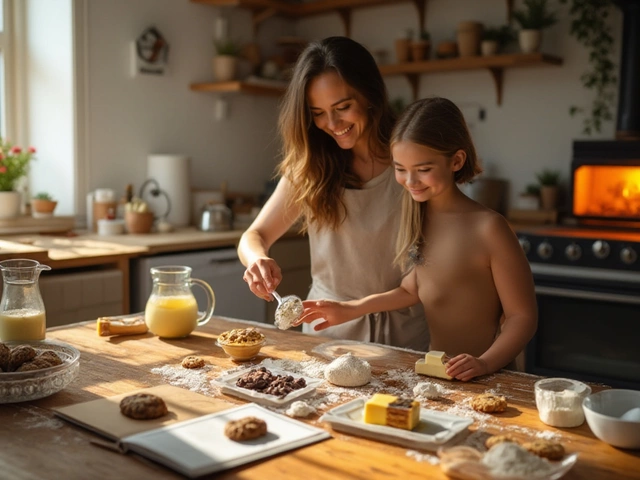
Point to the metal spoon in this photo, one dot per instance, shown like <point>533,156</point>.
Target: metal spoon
<point>289,310</point>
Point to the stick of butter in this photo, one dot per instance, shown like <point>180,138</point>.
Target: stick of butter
<point>122,325</point>
<point>433,365</point>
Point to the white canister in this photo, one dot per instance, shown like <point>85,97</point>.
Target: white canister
<point>110,227</point>
<point>172,173</point>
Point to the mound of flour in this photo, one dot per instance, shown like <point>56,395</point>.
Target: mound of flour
<point>348,371</point>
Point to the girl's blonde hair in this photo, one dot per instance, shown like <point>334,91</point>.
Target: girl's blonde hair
<point>318,169</point>
<point>436,123</point>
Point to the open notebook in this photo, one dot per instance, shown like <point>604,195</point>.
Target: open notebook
<point>192,446</point>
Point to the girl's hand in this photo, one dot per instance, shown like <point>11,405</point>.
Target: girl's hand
<point>464,367</point>
<point>263,276</point>
<point>332,312</point>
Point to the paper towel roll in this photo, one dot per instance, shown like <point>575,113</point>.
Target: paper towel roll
<point>172,174</point>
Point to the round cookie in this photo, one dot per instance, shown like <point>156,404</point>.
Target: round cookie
<point>50,357</point>
<point>496,439</point>
<point>5,355</point>
<point>545,449</point>
<point>192,362</point>
<point>143,406</point>
<point>489,403</point>
<point>348,371</point>
<point>246,428</point>
<point>20,355</point>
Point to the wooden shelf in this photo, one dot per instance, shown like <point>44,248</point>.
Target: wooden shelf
<point>264,9</point>
<point>496,64</point>
<point>238,86</point>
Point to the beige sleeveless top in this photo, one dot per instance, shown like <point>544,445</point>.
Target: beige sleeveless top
<point>357,260</point>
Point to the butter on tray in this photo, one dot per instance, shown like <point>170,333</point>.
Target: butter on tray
<point>433,365</point>
<point>133,324</point>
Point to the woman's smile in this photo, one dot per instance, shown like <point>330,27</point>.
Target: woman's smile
<point>343,132</point>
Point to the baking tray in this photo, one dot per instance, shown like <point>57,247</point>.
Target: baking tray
<point>227,385</point>
<point>435,429</point>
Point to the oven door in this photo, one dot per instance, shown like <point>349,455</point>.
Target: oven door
<point>588,325</point>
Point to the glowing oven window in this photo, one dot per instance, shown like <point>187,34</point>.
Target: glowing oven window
<point>607,191</point>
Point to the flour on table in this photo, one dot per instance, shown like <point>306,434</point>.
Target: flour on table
<point>423,457</point>
<point>428,389</point>
<point>511,459</point>
<point>194,380</point>
<point>300,409</point>
<point>348,371</point>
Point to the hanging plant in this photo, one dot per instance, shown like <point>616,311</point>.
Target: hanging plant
<point>590,26</point>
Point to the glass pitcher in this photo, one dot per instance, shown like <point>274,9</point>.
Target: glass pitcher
<point>172,310</point>
<point>22,315</point>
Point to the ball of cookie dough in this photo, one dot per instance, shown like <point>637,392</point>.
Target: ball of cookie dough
<point>192,362</point>
<point>246,428</point>
<point>489,403</point>
<point>143,406</point>
<point>348,371</point>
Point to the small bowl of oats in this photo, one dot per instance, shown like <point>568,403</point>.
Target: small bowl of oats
<point>241,344</point>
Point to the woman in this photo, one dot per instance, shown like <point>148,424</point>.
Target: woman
<point>336,178</point>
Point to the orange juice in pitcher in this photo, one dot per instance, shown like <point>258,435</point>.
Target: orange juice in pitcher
<point>172,310</point>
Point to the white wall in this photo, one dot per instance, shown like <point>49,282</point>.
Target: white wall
<point>128,118</point>
<point>532,129</point>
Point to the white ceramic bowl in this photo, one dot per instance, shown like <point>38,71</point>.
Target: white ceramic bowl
<point>603,411</point>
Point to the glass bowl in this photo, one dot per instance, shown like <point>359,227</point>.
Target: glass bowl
<point>32,385</point>
<point>242,352</point>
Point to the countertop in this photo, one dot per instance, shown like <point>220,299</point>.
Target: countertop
<point>42,446</point>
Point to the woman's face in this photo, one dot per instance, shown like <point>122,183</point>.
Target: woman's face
<point>423,172</point>
<point>338,110</point>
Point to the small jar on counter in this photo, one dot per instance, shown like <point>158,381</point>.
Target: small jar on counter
<point>559,401</point>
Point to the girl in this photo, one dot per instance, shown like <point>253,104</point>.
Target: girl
<point>465,264</point>
<point>336,177</point>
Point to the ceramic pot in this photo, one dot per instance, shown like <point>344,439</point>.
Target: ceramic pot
<point>548,197</point>
<point>469,37</point>
<point>224,68</point>
<point>10,204</point>
<point>403,46</point>
<point>42,208</point>
<point>488,47</point>
<point>529,40</point>
<point>420,50</point>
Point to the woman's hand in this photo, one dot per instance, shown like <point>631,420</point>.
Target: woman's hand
<point>263,276</point>
<point>332,312</point>
<point>464,367</point>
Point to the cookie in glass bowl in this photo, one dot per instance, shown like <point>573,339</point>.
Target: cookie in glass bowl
<point>241,344</point>
<point>36,370</point>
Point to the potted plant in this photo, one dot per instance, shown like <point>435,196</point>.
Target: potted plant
<point>403,46</point>
<point>534,18</point>
<point>591,26</point>
<point>420,48</point>
<point>226,61</point>
<point>549,181</point>
<point>42,205</point>
<point>494,39</point>
<point>529,199</point>
<point>14,165</point>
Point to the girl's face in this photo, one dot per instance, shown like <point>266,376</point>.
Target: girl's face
<point>338,110</point>
<point>423,172</point>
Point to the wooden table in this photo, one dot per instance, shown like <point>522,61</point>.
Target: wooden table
<point>37,445</point>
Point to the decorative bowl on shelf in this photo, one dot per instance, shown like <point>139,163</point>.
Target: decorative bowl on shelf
<point>32,385</point>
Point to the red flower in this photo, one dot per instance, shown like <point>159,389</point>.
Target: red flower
<point>16,150</point>
<point>31,150</point>
<point>3,169</point>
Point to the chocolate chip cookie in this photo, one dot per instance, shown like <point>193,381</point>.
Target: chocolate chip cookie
<point>143,406</point>
<point>192,362</point>
<point>496,439</point>
<point>489,403</point>
<point>20,355</point>
<point>246,428</point>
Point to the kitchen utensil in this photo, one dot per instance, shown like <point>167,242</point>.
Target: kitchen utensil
<point>289,310</point>
<point>22,315</point>
<point>216,217</point>
<point>604,411</point>
<point>172,310</point>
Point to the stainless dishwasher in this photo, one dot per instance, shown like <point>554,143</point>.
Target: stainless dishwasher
<point>220,268</point>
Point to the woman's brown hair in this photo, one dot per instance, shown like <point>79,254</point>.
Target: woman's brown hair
<point>318,169</point>
<point>436,123</point>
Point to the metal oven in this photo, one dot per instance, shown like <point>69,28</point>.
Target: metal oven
<point>587,274</point>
